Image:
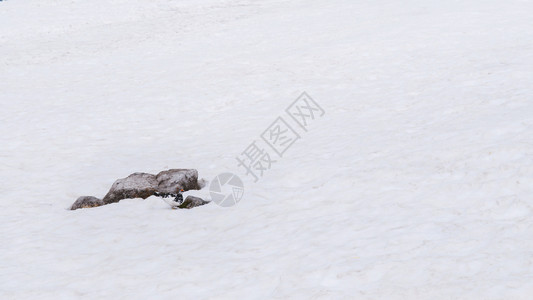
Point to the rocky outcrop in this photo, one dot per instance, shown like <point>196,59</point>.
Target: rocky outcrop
<point>144,185</point>
<point>137,185</point>
<point>192,201</point>
<point>173,180</point>
<point>87,202</point>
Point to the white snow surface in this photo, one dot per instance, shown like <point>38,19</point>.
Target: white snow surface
<point>416,184</point>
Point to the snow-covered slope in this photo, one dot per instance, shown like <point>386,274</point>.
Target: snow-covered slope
<point>417,183</point>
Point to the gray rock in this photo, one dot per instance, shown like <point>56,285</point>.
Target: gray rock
<point>137,185</point>
<point>192,201</point>
<point>173,180</point>
<point>202,183</point>
<point>87,202</point>
<point>143,185</point>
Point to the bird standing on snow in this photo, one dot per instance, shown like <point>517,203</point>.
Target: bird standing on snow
<point>178,198</point>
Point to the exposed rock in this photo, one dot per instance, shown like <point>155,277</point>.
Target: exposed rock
<point>144,185</point>
<point>192,201</point>
<point>137,185</point>
<point>202,183</point>
<point>173,180</point>
<point>86,202</point>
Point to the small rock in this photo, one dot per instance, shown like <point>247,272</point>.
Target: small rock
<point>173,180</point>
<point>137,185</point>
<point>87,202</point>
<point>192,201</point>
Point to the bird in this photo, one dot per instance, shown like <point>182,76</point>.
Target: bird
<point>178,197</point>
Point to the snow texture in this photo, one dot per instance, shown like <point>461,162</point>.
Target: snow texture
<point>417,183</point>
